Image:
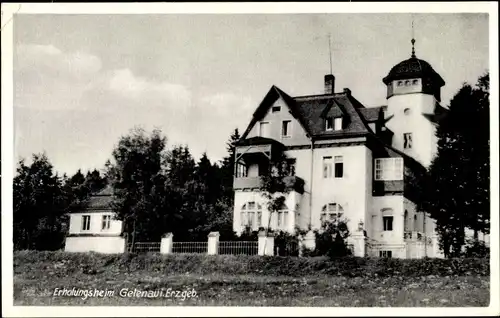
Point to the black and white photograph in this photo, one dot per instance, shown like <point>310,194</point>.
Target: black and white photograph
<point>248,159</point>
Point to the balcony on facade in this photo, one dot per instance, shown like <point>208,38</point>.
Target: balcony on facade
<point>252,161</point>
<point>415,236</point>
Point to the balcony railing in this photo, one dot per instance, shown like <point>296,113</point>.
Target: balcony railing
<point>416,236</point>
<point>292,182</point>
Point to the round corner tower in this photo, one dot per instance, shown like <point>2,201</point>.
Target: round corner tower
<point>413,93</point>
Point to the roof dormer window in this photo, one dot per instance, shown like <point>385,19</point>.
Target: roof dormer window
<point>329,124</point>
<point>337,124</point>
<point>333,123</point>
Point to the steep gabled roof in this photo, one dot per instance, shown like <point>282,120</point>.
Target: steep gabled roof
<point>273,95</point>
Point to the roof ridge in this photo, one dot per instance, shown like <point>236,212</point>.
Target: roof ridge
<point>318,96</point>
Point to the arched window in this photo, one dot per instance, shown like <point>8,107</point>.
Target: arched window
<point>251,215</point>
<point>331,212</point>
<point>400,83</point>
<point>415,82</point>
<point>407,83</point>
<point>415,223</point>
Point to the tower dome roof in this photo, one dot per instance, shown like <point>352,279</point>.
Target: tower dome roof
<point>413,68</point>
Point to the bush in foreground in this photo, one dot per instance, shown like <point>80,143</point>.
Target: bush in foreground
<point>93,263</point>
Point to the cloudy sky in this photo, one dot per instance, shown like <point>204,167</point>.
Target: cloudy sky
<point>82,81</point>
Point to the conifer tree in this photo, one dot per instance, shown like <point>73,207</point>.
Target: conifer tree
<point>456,190</point>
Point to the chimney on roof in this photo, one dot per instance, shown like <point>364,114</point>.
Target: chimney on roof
<point>329,84</point>
<point>347,91</point>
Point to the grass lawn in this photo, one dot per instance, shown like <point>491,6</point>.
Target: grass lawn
<point>37,288</point>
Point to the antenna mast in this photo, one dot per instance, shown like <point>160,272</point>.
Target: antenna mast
<point>412,38</point>
<point>330,52</point>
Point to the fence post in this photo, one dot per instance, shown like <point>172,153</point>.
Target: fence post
<point>213,243</point>
<point>266,244</point>
<point>358,240</point>
<point>167,243</point>
<point>308,241</point>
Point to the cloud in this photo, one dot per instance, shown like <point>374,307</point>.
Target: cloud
<point>124,82</point>
<point>226,103</point>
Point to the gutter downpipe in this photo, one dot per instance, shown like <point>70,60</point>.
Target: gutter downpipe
<point>311,182</point>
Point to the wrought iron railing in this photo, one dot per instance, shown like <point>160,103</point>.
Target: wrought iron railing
<point>144,247</point>
<point>286,249</point>
<point>189,247</point>
<point>238,248</point>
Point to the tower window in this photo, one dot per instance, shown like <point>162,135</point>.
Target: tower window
<point>407,141</point>
<point>407,111</point>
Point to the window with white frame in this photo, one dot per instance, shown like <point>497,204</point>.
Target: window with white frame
<point>265,129</point>
<point>327,167</point>
<point>339,166</point>
<point>286,129</point>
<point>106,222</point>
<point>251,215</point>
<point>329,124</point>
<point>337,124</point>
<point>282,218</point>
<point>241,170</point>
<point>290,166</point>
<point>387,219</point>
<point>389,169</point>
<point>331,212</point>
<point>387,254</point>
<point>85,222</point>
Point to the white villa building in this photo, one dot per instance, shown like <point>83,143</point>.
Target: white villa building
<point>347,160</point>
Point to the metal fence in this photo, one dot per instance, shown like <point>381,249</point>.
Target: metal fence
<point>144,247</point>
<point>238,248</point>
<point>286,249</point>
<point>189,247</point>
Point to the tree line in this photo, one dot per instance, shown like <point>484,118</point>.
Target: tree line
<point>157,190</point>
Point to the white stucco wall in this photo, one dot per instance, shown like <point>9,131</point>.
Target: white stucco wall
<point>100,244</point>
<point>396,203</point>
<point>303,170</point>
<point>351,191</point>
<point>75,223</point>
